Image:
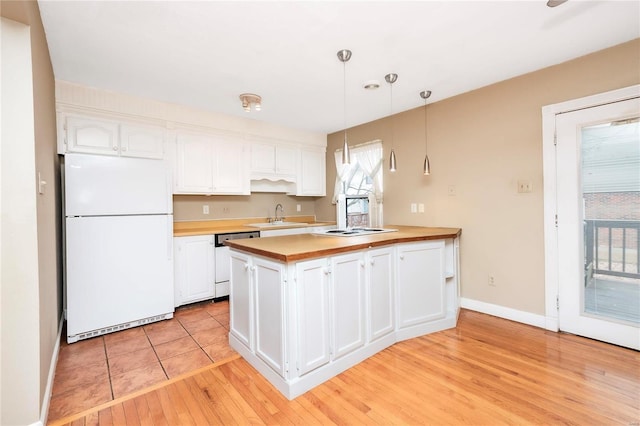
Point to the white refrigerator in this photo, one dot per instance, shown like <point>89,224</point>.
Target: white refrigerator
<point>118,243</point>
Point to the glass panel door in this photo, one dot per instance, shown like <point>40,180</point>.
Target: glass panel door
<point>611,198</point>
<point>598,207</point>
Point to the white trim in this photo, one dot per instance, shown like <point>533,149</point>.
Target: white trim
<point>549,113</point>
<point>74,98</point>
<point>504,312</point>
<point>44,413</point>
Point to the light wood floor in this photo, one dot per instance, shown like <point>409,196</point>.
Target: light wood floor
<point>487,371</point>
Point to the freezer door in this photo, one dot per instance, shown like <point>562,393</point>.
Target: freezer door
<point>119,269</point>
<point>98,185</point>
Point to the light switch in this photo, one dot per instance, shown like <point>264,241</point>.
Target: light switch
<point>298,207</point>
<point>205,209</point>
<point>414,208</point>
<point>421,208</point>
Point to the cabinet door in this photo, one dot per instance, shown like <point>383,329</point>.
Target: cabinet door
<point>241,298</point>
<point>312,312</point>
<point>194,164</point>
<point>92,136</point>
<point>286,161</point>
<point>194,272</point>
<point>311,176</point>
<point>347,303</point>
<point>263,158</point>
<point>380,278</point>
<point>142,141</point>
<point>269,303</point>
<point>421,280</point>
<point>229,174</point>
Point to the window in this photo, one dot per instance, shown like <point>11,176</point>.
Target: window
<point>361,182</point>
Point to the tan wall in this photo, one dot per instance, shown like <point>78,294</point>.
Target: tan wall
<point>483,142</point>
<point>47,305</point>
<point>189,207</point>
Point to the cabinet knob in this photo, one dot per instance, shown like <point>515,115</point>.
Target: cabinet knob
<point>402,257</point>
<point>124,148</point>
<point>372,262</point>
<point>362,263</point>
<point>246,266</point>
<point>115,148</point>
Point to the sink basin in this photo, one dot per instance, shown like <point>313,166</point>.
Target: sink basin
<point>274,224</point>
<point>352,232</point>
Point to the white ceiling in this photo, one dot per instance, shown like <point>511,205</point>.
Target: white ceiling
<point>205,54</point>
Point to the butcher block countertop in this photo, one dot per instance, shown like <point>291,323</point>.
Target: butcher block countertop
<point>223,226</point>
<point>291,248</point>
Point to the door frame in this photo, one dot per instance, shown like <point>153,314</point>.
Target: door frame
<point>549,113</point>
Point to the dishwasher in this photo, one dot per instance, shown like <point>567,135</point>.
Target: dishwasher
<point>222,259</point>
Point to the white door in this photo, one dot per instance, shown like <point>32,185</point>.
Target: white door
<point>312,312</point>
<point>194,279</point>
<point>380,295</point>
<point>347,303</point>
<point>269,311</point>
<point>241,298</point>
<point>598,194</point>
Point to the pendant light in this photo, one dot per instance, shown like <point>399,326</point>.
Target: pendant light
<point>391,78</point>
<point>344,55</point>
<point>426,170</point>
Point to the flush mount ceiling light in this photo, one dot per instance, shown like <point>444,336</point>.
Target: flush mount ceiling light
<point>391,78</point>
<point>371,85</point>
<point>344,55</point>
<point>249,99</point>
<point>426,170</point>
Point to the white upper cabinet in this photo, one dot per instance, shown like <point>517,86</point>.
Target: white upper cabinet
<point>272,161</point>
<point>312,173</point>
<point>91,135</point>
<point>142,141</point>
<point>209,164</point>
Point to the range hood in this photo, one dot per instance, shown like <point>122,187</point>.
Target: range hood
<point>268,185</point>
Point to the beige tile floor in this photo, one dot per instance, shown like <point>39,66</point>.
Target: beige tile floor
<point>98,370</point>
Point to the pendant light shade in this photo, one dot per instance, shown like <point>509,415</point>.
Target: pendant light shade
<point>426,169</point>
<point>392,161</point>
<point>344,55</point>
<point>391,78</point>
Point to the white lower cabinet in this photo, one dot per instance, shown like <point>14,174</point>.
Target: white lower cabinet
<point>301,323</point>
<point>312,314</point>
<point>347,303</point>
<point>380,301</point>
<point>269,288</point>
<point>241,297</point>
<point>421,283</point>
<point>194,269</point>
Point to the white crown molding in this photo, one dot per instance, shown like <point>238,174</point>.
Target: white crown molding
<point>72,98</point>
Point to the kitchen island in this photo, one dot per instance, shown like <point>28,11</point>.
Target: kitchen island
<point>306,307</point>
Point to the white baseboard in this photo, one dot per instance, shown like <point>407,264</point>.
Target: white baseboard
<point>52,372</point>
<point>504,312</point>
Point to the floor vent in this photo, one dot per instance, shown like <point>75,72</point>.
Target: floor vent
<point>118,327</point>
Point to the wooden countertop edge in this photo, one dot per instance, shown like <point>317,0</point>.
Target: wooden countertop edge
<point>338,250</point>
<point>241,228</point>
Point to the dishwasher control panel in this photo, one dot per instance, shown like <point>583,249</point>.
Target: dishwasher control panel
<point>221,238</point>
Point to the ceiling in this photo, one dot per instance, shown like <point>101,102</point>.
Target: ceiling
<point>204,54</point>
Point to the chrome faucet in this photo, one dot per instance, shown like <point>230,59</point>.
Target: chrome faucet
<point>276,219</point>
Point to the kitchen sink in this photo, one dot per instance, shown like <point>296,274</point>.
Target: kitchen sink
<point>273,224</point>
<point>354,232</point>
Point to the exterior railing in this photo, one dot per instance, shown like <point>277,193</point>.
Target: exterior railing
<point>612,247</point>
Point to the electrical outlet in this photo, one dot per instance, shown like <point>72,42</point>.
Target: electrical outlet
<point>451,190</point>
<point>492,281</point>
<point>226,210</point>
<point>414,207</point>
<point>205,209</point>
<point>421,208</point>
<point>298,208</point>
<point>524,186</point>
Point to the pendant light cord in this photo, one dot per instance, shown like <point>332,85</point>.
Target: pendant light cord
<point>344,96</point>
<point>425,128</point>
